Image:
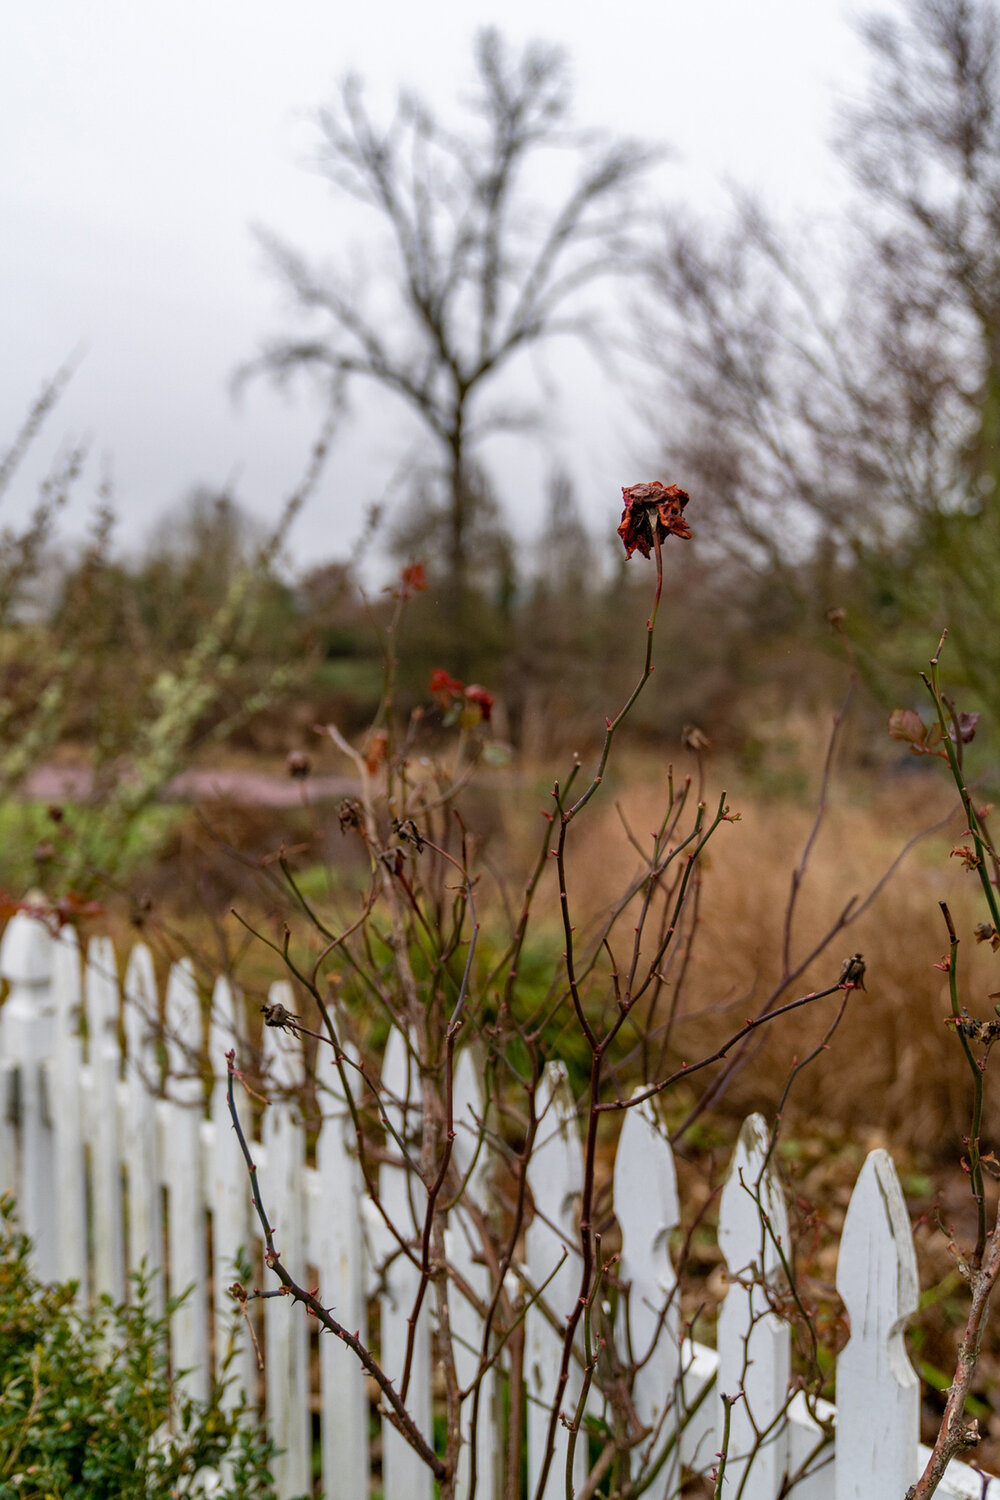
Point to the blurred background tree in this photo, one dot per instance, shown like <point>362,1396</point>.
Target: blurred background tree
<point>484,265</point>
<point>839,405</point>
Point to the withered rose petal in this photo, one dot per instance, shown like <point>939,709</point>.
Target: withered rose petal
<point>444,685</point>
<point>964,728</point>
<point>635,531</point>
<point>652,511</point>
<point>672,519</point>
<point>653,493</point>
<point>482,698</point>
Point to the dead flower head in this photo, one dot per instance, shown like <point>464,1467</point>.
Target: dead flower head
<point>852,972</point>
<point>652,512</point>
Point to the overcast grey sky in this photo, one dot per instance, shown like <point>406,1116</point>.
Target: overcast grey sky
<point>140,141</point>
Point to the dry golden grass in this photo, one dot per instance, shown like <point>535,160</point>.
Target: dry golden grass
<point>894,1068</point>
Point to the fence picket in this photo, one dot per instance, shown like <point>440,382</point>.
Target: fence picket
<point>65,1104</point>
<point>63,1090</point>
<point>26,964</point>
<point>555,1176</point>
<point>878,1393</point>
<point>228,1193</point>
<point>753,1342</point>
<point>142,1070</point>
<point>104,1055</point>
<point>647,1210</point>
<point>286,1372</point>
<point>340,1253</point>
<point>181,1114</point>
<point>472,1161</point>
<point>405,1476</point>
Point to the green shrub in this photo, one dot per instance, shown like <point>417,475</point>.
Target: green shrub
<point>87,1408</point>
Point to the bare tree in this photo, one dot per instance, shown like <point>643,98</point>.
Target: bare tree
<point>843,403</point>
<point>486,258</point>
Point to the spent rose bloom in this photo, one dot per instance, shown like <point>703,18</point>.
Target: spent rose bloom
<point>652,511</point>
<point>474,704</point>
<point>445,687</point>
<point>413,579</point>
<point>481,698</point>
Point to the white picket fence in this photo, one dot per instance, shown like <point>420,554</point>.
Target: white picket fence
<point>107,1176</point>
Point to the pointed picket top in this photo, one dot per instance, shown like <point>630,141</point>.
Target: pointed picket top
<point>753,1342</point>
<point>645,1189</point>
<point>26,952</point>
<point>647,1210</point>
<point>878,1393</point>
<point>141,1016</point>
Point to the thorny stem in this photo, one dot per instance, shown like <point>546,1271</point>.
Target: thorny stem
<point>977,828</point>
<point>728,1402</point>
<point>766,1227</point>
<point>954,1436</point>
<point>686,1070</point>
<point>975,1160</point>
<point>397,1413</point>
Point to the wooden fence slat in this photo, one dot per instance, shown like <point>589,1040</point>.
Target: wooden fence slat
<point>228,1194</point>
<point>472,1162</point>
<point>65,1100</point>
<point>339,1251</point>
<point>878,1393</point>
<point>66,1105</point>
<point>104,1055</point>
<point>26,963</point>
<point>753,1342</point>
<point>405,1475</point>
<point>647,1210</point>
<point>555,1176</point>
<point>286,1371</point>
<point>142,1070</point>
<point>180,1117</point>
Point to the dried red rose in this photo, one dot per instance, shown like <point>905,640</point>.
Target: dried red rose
<point>963,728</point>
<point>445,687</point>
<point>652,511</point>
<point>414,579</point>
<point>482,699</point>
